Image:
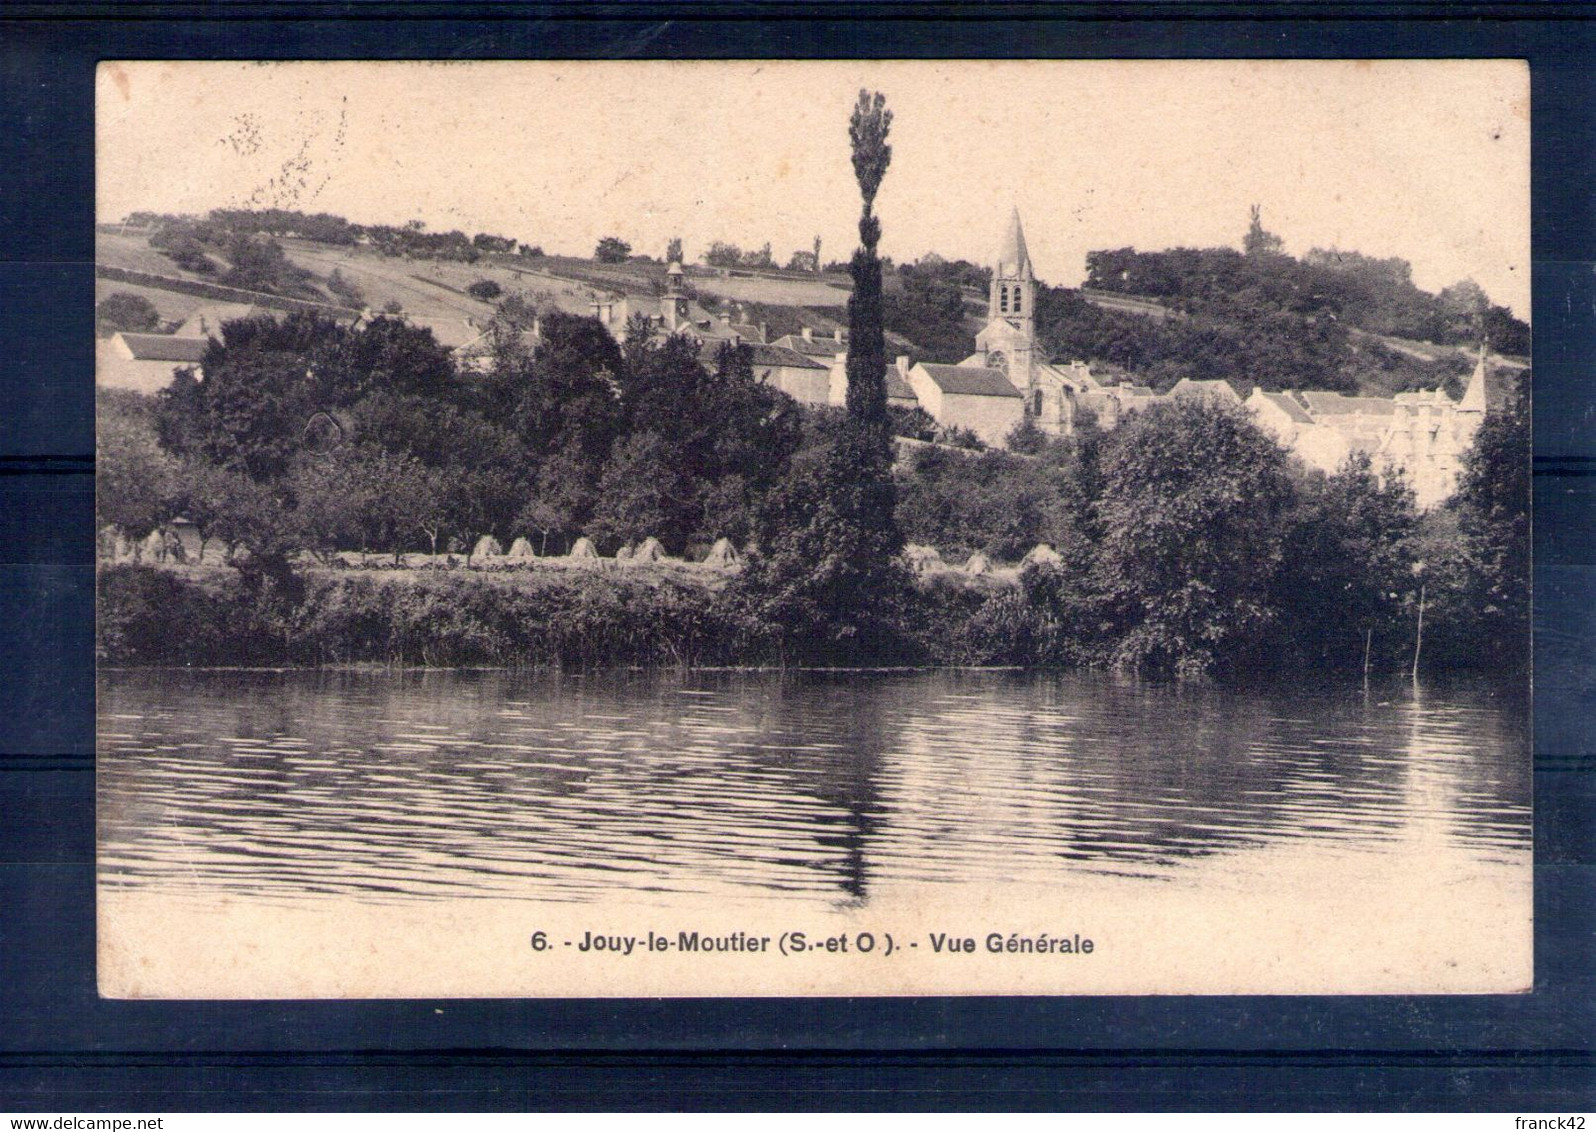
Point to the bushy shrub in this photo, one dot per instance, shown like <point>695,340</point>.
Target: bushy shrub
<point>126,311</point>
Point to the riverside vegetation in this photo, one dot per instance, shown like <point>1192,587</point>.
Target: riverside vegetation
<point>1187,541</point>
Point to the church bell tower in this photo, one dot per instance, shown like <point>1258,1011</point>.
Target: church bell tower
<point>1008,341</point>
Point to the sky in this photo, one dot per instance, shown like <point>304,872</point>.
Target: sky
<point>1427,160</point>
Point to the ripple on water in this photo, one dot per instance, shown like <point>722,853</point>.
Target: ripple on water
<point>817,785</point>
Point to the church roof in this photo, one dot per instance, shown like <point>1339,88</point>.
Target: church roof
<point>1013,258</point>
<point>1069,374</point>
<point>970,381</point>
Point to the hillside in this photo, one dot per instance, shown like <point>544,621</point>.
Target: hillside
<point>433,291</point>
<point>1331,320</point>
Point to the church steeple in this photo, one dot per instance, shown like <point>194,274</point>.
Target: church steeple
<point>1013,284</point>
<point>1008,340</point>
<point>1013,261</point>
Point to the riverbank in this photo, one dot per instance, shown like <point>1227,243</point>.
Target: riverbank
<point>555,615</point>
<point>658,614</point>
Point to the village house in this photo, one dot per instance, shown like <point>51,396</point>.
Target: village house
<point>804,379</point>
<point>822,345</point>
<point>899,392</point>
<point>1421,435</point>
<point>206,322</point>
<point>144,362</point>
<point>978,398</point>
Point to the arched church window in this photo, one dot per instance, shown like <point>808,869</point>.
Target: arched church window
<point>1036,403</point>
<point>1016,304</point>
<point>1003,298</point>
<point>996,360</point>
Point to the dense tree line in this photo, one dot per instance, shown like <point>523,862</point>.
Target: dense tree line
<point>1190,542</point>
<point>308,435</point>
<point>927,307</point>
<point>1186,542</point>
<point>1264,345</point>
<point>189,240</point>
<point>1376,295</point>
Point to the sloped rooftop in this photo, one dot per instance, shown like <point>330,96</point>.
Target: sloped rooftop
<point>165,347</point>
<point>1286,405</point>
<point>970,381</point>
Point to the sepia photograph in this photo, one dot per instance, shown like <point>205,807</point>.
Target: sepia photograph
<point>845,528</point>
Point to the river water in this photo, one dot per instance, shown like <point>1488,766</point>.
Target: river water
<point>831,792</point>
<point>401,834</point>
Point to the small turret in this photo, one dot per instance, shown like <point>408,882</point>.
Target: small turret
<point>1474,396</point>
<point>673,304</point>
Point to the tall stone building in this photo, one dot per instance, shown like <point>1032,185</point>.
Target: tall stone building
<point>1008,341</point>
<point>1055,396</point>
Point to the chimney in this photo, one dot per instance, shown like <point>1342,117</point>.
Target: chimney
<point>764,332</point>
<point>725,318</point>
<point>836,334</point>
<point>808,334</point>
<point>903,367</point>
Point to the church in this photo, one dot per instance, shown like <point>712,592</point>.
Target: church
<point>1420,435</point>
<point>1007,379</point>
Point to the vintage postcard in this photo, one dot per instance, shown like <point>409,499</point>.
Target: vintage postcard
<point>600,529</point>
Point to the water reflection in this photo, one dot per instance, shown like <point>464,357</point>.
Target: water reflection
<point>834,787</point>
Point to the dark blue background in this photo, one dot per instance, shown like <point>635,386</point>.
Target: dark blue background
<point>62,1049</point>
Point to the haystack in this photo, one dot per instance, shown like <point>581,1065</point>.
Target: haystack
<point>649,550</point>
<point>583,548</point>
<point>520,548</point>
<point>978,563</point>
<point>487,547</point>
<point>1041,555</point>
<point>923,559</point>
<point>153,548</point>
<point>723,554</point>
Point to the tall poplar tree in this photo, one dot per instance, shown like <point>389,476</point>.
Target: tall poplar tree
<point>867,349</point>
<point>826,575</point>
